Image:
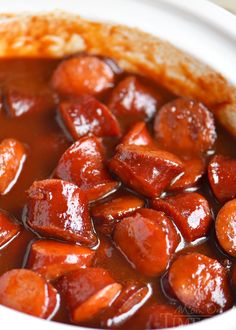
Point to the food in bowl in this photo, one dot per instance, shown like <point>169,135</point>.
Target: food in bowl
<point>117,179</point>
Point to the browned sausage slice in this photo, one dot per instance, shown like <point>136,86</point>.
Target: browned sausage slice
<point>225,226</point>
<point>83,165</point>
<point>222,178</point>
<point>82,75</point>
<point>147,171</point>
<point>147,239</point>
<point>12,157</point>
<point>59,209</point>
<point>87,116</point>
<point>185,125</point>
<point>138,135</point>
<point>52,259</point>
<point>9,227</point>
<point>201,284</point>
<point>88,292</point>
<point>190,212</point>
<point>107,214</point>
<point>26,291</point>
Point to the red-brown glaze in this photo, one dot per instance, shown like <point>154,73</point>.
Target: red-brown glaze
<point>222,178</point>
<point>138,135</point>
<point>190,212</point>
<point>82,75</point>
<point>53,302</point>
<point>234,277</point>
<point>87,115</point>
<point>107,214</point>
<point>12,157</point>
<point>83,165</point>
<point>52,259</point>
<point>9,228</point>
<point>148,238</point>
<point>147,171</point>
<point>225,226</point>
<point>201,284</point>
<point>59,209</point>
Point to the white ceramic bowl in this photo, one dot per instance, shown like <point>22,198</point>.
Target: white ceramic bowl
<point>199,27</point>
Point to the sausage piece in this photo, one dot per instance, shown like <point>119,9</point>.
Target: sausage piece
<point>82,75</point>
<point>9,228</point>
<point>59,209</point>
<point>138,135</point>
<point>185,125</point>
<point>86,116</point>
<point>107,214</point>
<point>147,171</point>
<point>201,284</point>
<point>12,157</point>
<point>225,226</point>
<point>83,165</point>
<point>52,259</point>
<point>147,239</point>
<point>190,212</point>
<point>88,292</point>
<point>27,292</point>
<point>222,178</point>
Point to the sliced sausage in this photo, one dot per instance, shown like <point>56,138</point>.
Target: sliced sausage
<point>138,135</point>
<point>222,178</point>
<point>82,75</point>
<point>145,170</point>
<point>88,292</point>
<point>12,157</point>
<point>27,292</point>
<point>157,316</point>
<point>190,212</point>
<point>131,98</point>
<point>59,209</point>
<point>107,214</point>
<point>194,169</point>
<point>83,165</point>
<point>201,284</point>
<point>52,259</point>
<point>9,227</point>
<point>225,226</point>
<point>185,125</point>
<point>147,239</point>
<point>132,297</point>
<point>86,115</point>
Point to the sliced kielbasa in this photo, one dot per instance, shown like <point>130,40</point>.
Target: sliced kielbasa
<point>147,239</point>
<point>190,212</point>
<point>83,165</point>
<point>138,135</point>
<point>225,226</point>
<point>52,259</point>
<point>201,284</point>
<point>86,115</point>
<point>147,171</point>
<point>82,75</point>
<point>185,125</point>
<point>9,227</point>
<point>222,178</point>
<point>59,209</point>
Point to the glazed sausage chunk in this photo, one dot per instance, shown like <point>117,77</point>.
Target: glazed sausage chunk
<point>222,177</point>
<point>225,226</point>
<point>27,292</point>
<point>52,259</point>
<point>138,135</point>
<point>83,165</point>
<point>82,75</point>
<point>190,212</point>
<point>87,116</point>
<point>107,214</point>
<point>147,171</point>
<point>9,228</point>
<point>12,157</point>
<point>186,126</point>
<point>131,98</point>
<point>88,292</point>
<point>148,239</point>
<point>201,284</point>
<point>59,209</point>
